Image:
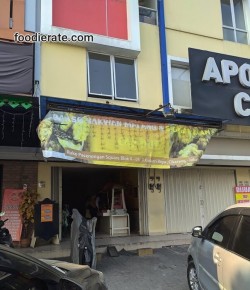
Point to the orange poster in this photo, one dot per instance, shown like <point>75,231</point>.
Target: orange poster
<point>46,213</point>
<point>11,201</point>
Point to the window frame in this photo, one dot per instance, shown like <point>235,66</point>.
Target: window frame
<point>177,62</point>
<point>234,28</point>
<point>27,278</point>
<point>150,10</point>
<point>113,78</point>
<point>111,72</point>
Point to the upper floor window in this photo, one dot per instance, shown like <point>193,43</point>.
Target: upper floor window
<point>179,84</point>
<point>181,87</point>
<point>234,25</point>
<point>148,11</point>
<point>112,77</point>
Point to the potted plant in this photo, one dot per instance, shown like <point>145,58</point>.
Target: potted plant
<point>26,211</point>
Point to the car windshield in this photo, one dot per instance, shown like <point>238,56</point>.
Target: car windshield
<point>10,281</point>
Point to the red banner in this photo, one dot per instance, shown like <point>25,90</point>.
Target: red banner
<point>11,201</point>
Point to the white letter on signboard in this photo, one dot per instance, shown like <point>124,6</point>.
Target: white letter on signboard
<point>229,68</point>
<point>238,99</point>
<point>211,71</point>
<point>244,73</point>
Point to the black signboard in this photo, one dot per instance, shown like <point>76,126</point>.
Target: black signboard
<point>220,86</point>
<point>46,219</point>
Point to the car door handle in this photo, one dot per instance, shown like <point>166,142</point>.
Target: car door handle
<point>217,258</point>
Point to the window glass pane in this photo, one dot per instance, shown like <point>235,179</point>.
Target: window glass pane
<point>125,79</point>
<point>226,13</point>
<point>181,87</point>
<point>147,15</point>
<point>239,14</point>
<point>242,242</point>
<point>219,233</point>
<point>100,74</point>
<point>148,3</point>
<point>228,34</point>
<point>241,37</point>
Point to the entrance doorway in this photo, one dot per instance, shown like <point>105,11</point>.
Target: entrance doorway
<point>89,190</point>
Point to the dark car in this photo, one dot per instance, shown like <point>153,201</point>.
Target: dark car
<point>23,272</point>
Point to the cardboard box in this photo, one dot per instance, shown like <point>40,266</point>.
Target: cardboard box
<point>145,252</point>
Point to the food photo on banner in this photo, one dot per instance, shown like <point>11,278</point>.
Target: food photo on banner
<point>124,142</point>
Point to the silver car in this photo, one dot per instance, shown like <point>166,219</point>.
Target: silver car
<point>219,255</point>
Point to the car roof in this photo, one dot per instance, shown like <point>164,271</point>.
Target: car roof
<point>235,209</point>
<point>242,204</point>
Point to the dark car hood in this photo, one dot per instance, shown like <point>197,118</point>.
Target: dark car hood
<point>53,270</point>
<point>84,275</point>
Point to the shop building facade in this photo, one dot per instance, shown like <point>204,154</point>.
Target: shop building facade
<point>154,200</point>
<point>121,70</point>
<point>209,32</point>
<point>108,75</point>
<point>147,68</point>
<point>136,68</point>
<point>19,103</point>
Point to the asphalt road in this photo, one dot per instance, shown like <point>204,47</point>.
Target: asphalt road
<point>164,270</point>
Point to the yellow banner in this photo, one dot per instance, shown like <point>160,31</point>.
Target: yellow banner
<point>121,142</point>
<point>240,197</point>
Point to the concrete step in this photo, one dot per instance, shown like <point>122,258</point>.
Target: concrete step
<point>130,243</point>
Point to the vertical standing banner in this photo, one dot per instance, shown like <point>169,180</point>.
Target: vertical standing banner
<point>121,142</point>
<point>11,201</point>
<point>46,218</point>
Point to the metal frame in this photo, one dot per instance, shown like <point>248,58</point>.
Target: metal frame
<point>118,216</point>
<point>136,79</point>
<point>176,62</point>
<point>112,229</point>
<point>111,73</point>
<point>152,10</point>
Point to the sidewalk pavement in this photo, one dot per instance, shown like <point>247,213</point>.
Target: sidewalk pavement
<point>164,270</point>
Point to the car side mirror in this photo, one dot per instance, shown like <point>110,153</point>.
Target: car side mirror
<point>67,284</point>
<point>197,232</point>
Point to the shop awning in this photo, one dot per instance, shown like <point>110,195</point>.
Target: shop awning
<point>156,115</point>
<point>119,141</point>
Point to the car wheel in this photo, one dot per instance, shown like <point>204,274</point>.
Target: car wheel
<point>192,277</point>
